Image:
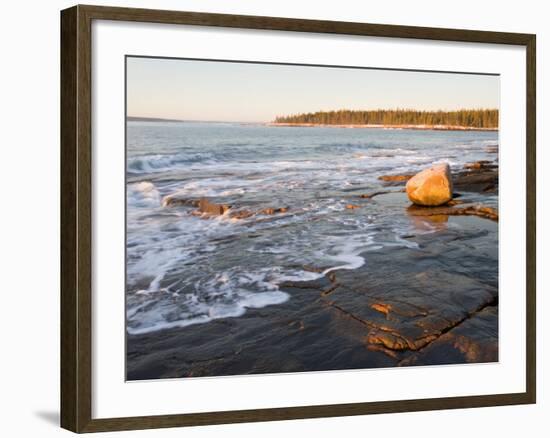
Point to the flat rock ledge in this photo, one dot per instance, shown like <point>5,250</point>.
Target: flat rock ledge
<point>446,210</point>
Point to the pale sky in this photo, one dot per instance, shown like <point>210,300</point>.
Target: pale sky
<point>229,91</point>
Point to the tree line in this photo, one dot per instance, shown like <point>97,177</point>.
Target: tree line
<point>475,118</point>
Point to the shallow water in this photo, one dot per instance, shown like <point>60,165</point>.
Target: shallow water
<point>183,269</point>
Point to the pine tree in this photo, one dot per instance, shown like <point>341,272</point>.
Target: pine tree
<point>474,118</point>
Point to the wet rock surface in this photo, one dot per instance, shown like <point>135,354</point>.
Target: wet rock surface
<point>473,341</point>
<point>432,301</point>
<point>209,208</point>
<point>450,210</point>
<point>406,311</point>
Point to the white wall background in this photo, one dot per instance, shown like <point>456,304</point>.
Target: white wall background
<point>29,219</point>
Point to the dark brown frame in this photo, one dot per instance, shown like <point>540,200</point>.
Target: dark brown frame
<point>76,219</point>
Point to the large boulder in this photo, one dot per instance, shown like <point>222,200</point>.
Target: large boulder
<point>431,187</point>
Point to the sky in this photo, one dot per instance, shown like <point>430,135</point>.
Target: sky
<point>248,92</point>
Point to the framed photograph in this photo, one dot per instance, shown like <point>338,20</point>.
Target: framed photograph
<point>270,218</point>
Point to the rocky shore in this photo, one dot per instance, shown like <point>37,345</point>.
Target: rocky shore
<point>433,301</point>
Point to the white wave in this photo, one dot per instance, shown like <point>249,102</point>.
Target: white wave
<point>215,187</point>
<point>165,162</point>
<point>143,194</point>
<point>348,253</point>
<point>224,295</point>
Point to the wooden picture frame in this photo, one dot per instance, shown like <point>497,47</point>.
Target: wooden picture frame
<point>76,217</point>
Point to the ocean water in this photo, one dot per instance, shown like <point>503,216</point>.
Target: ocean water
<point>183,269</point>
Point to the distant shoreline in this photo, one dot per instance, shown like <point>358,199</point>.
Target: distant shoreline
<point>324,125</point>
<point>151,119</point>
<point>358,126</point>
<point>161,120</point>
